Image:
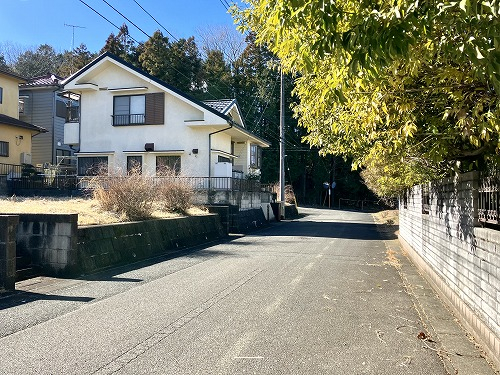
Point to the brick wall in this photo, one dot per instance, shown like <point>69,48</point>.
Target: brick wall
<point>461,259</point>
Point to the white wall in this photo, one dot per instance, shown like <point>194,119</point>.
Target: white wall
<point>460,258</point>
<point>99,135</point>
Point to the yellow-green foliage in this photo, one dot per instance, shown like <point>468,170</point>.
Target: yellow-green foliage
<point>409,90</point>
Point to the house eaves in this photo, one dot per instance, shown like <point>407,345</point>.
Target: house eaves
<point>7,120</point>
<point>9,73</point>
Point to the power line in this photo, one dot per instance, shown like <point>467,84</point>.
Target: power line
<point>225,5</point>
<point>121,14</point>
<point>95,11</point>
<point>149,14</point>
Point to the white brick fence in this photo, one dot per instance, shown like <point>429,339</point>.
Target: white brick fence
<point>440,230</point>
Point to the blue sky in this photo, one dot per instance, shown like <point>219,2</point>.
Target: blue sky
<point>29,23</point>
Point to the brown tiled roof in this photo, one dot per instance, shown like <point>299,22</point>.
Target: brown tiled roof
<point>4,119</point>
<point>48,79</point>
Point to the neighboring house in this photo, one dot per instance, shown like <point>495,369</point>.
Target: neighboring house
<point>15,135</point>
<point>41,102</point>
<point>129,117</point>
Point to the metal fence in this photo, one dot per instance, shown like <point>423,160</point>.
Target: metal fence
<point>488,203</point>
<point>29,177</point>
<point>196,183</point>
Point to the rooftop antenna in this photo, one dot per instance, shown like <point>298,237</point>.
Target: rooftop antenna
<point>73,41</point>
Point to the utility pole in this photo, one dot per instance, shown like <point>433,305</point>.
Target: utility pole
<point>281,196</point>
<point>73,42</point>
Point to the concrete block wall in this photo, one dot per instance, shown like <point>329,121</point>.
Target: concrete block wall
<point>461,259</point>
<point>244,200</point>
<point>102,246</point>
<point>50,240</point>
<point>8,228</point>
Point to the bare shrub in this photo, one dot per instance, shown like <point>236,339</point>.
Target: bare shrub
<point>131,195</point>
<point>173,193</point>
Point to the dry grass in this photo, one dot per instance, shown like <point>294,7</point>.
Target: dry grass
<point>89,210</point>
<point>389,217</point>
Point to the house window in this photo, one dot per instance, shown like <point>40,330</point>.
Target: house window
<point>255,156</point>
<point>134,164</point>
<point>4,148</point>
<point>138,109</point>
<point>21,105</point>
<point>72,112</point>
<point>60,109</point>
<point>223,159</point>
<point>164,164</point>
<point>92,165</point>
<point>129,110</point>
<point>1,95</point>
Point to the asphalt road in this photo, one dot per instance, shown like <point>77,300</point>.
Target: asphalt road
<point>318,295</point>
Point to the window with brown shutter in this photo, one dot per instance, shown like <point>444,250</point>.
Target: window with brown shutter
<point>155,108</point>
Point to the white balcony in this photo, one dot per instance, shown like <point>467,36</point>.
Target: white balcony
<point>72,133</point>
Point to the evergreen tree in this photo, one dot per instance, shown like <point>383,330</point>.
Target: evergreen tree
<point>39,62</point>
<point>154,55</point>
<point>72,61</point>
<point>217,78</point>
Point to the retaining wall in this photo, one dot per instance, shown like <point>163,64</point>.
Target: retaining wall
<point>8,228</point>
<point>50,241</point>
<point>460,259</point>
<point>60,248</point>
<point>102,246</point>
<point>243,199</point>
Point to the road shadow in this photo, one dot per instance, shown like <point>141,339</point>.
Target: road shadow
<point>346,230</point>
<point>18,298</point>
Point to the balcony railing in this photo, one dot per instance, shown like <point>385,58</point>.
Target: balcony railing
<point>131,119</point>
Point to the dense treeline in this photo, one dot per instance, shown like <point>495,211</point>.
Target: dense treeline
<point>218,69</point>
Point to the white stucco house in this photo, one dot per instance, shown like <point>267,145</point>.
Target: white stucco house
<point>129,117</point>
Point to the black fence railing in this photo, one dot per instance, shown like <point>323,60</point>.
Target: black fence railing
<point>488,199</point>
<point>132,119</point>
<point>28,177</point>
<point>196,183</point>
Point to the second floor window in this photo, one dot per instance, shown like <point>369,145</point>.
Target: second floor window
<point>145,109</point>
<point>255,156</point>
<point>129,110</point>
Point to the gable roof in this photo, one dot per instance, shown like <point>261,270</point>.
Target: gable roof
<point>147,76</point>
<point>4,119</point>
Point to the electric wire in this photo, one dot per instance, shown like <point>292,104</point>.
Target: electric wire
<point>208,92</point>
<point>95,11</point>
<point>159,24</point>
<point>224,4</point>
<point>121,14</point>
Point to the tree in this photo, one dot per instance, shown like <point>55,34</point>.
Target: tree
<point>224,39</point>
<point>3,64</point>
<point>391,83</point>
<point>184,68</point>
<point>154,56</point>
<point>36,63</point>
<point>122,45</point>
<point>217,78</point>
<point>72,61</point>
